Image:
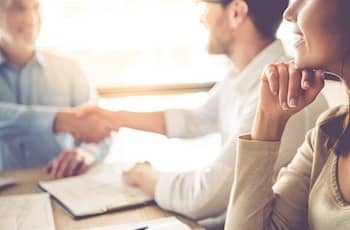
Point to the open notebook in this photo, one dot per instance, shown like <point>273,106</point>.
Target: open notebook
<point>94,194</point>
<point>26,212</point>
<point>169,223</point>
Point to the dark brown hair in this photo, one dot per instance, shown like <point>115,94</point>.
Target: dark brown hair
<point>341,144</point>
<point>266,14</point>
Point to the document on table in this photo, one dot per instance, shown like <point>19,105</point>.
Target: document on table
<point>94,194</point>
<point>4,182</point>
<point>26,212</point>
<point>170,223</point>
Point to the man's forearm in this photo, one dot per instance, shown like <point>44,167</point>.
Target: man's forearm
<point>90,129</point>
<point>64,121</point>
<point>151,122</point>
<point>96,121</point>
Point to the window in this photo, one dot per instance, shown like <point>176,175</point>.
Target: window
<point>131,42</point>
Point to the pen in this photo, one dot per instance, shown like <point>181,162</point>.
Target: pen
<point>142,228</point>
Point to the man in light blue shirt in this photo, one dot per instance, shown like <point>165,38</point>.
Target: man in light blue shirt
<point>36,88</point>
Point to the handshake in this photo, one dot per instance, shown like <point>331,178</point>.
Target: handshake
<point>89,124</point>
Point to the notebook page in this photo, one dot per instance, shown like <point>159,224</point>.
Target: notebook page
<point>26,212</point>
<point>94,193</point>
<point>170,223</point>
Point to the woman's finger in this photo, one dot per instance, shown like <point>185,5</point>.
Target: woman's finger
<point>294,85</point>
<point>306,79</point>
<point>316,86</point>
<point>283,77</point>
<point>271,74</point>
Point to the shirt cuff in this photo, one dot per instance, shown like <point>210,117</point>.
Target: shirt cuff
<point>163,190</point>
<point>99,150</point>
<point>43,122</point>
<point>246,144</point>
<point>175,123</point>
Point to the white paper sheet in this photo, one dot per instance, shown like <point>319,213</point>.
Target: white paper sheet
<point>170,223</point>
<point>26,212</point>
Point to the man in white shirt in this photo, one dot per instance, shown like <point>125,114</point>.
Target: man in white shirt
<point>243,30</point>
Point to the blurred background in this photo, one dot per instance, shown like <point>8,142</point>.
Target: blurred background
<point>141,56</point>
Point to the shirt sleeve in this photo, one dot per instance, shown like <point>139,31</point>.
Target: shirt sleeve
<point>197,122</point>
<point>200,194</point>
<point>100,150</point>
<point>255,203</point>
<point>82,90</point>
<point>19,121</point>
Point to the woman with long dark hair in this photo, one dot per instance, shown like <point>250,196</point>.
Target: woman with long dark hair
<point>313,191</point>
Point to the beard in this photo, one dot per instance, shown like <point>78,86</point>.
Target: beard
<point>23,44</point>
<point>215,46</point>
<point>22,37</point>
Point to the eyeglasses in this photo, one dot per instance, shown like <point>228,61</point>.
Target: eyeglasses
<point>224,2</point>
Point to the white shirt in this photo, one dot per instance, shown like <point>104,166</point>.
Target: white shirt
<point>230,110</point>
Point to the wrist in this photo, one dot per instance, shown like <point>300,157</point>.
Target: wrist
<point>118,119</point>
<point>63,121</point>
<point>149,182</point>
<point>268,127</point>
<point>89,156</point>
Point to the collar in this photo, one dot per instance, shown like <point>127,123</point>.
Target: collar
<point>37,58</point>
<point>273,53</point>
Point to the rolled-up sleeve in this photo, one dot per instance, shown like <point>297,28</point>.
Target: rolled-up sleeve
<point>197,122</point>
<point>204,193</point>
<point>198,194</point>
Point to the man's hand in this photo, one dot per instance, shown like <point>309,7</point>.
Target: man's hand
<point>115,118</point>
<point>149,121</point>
<point>91,128</point>
<point>71,163</point>
<point>144,176</point>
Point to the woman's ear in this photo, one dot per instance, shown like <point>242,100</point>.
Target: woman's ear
<point>237,12</point>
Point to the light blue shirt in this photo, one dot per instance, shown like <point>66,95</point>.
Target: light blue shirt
<point>29,99</point>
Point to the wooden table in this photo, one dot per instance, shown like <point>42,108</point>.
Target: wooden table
<point>27,183</point>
